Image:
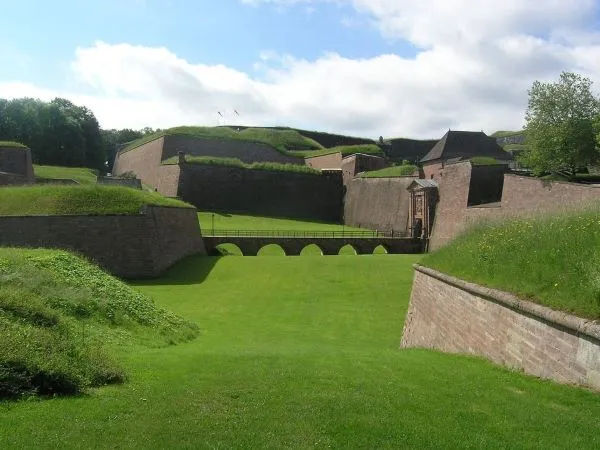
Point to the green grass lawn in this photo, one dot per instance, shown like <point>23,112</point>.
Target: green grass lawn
<point>227,221</point>
<point>391,172</point>
<point>303,353</point>
<point>345,150</point>
<point>550,260</point>
<point>82,175</point>
<point>73,200</point>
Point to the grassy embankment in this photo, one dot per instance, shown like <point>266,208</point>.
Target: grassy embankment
<point>59,317</point>
<point>281,140</point>
<point>303,353</point>
<point>288,142</point>
<point>12,144</point>
<point>234,162</point>
<point>392,172</point>
<point>73,200</point>
<point>549,260</point>
<point>345,150</point>
<point>82,175</point>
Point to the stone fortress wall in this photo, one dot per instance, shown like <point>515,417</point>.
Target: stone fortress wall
<point>451,315</point>
<point>128,246</point>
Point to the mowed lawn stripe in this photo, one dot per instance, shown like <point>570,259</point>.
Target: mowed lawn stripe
<point>303,353</point>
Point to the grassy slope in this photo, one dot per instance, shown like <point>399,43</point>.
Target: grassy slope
<point>486,161</point>
<point>282,140</point>
<point>12,144</point>
<point>235,162</point>
<point>283,362</point>
<point>226,221</point>
<point>345,150</point>
<point>72,200</point>
<point>82,175</point>
<point>552,261</point>
<point>57,315</point>
<point>390,172</point>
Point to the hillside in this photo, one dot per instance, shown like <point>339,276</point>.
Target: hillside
<point>60,318</point>
<point>549,260</point>
<point>403,149</point>
<point>73,200</point>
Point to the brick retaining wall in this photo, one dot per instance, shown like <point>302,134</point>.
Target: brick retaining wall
<point>136,246</point>
<point>455,316</point>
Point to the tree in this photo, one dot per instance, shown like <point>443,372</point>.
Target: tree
<point>561,125</point>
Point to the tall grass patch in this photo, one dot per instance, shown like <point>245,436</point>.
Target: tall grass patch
<point>57,315</point>
<point>554,261</point>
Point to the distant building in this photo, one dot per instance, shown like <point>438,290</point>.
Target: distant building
<point>457,146</point>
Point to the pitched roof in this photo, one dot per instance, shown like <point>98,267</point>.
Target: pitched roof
<point>423,184</point>
<point>466,144</point>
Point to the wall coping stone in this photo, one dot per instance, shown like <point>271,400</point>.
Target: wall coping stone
<point>573,324</point>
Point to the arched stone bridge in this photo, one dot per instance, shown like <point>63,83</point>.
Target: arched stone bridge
<point>293,246</point>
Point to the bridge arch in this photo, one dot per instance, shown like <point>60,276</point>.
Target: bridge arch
<point>312,250</point>
<point>381,249</point>
<point>228,249</point>
<point>271,250</point>
<point>348,249</point>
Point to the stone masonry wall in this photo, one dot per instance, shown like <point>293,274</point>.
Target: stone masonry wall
<point>144,161</point>
<point>331,161</point>
<point>245,151</point>
<point>454,316</point>
<point>263,192</point>
<point>11,179</point>
<point>139,246</point>
<point>521,196</point>
<point>378,203</point>
<point>17,160</point>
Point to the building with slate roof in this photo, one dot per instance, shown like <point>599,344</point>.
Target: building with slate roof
<point>458,146</point>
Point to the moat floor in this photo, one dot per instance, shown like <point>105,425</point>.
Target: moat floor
<point>302,352</point>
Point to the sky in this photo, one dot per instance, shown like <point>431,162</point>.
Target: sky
<point>391,68</point>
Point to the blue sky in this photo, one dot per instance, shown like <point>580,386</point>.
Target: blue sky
<point>208,31</point>
<point>364,67</point>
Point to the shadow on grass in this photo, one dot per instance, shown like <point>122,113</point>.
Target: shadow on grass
<point>191,270</point>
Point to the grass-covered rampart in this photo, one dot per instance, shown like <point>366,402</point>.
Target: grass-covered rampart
<point>234,162</point>
<point>59,317</point>
<point>282,140</point>
<point>82,175</point>
<point>11,144</point>
<point>391,172</point>
<point>76,200</point>
<point>554,261</point>
<point>345,150</point>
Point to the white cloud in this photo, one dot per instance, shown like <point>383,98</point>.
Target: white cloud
<point>477,61</point>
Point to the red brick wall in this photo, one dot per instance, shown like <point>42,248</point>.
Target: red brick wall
<point>433,171</point>
<point>331,161</point>
<point>450,215</point>
<point>127,246</point>
<point>144,161</point>
<point>378,203</point>
<point>522,195</point>
<point>168,180</point>
<point>453,316</point>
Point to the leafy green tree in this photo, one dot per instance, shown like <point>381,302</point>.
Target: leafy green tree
<point>561,125</point>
